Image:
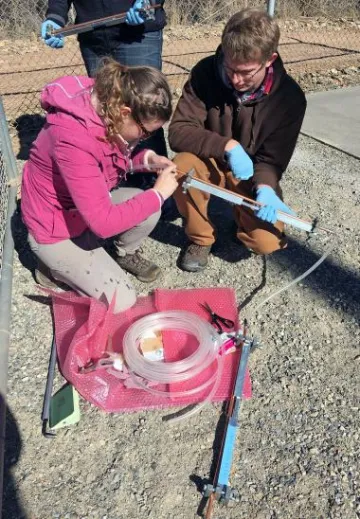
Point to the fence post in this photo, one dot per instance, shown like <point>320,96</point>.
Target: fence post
<point>271,7</point>
<point>6,283</point>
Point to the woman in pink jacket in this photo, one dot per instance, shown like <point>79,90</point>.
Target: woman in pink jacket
<point>70,194</point>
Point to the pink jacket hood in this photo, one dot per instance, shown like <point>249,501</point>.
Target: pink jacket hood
<point>66,96</point>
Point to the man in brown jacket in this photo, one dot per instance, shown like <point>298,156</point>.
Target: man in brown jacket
<point>236,124</point>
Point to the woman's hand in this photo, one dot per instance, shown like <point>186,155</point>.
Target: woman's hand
<point>153,159</point>
<point>166,182</point>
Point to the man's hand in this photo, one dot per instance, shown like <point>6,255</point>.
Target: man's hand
<point>55,42</point>
<point>239,161</point>
<point>153,159</point>
<point>132,16</point>
<point>272,203</point>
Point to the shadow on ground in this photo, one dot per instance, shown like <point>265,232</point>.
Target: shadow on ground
<point>227,247</point>
<point>11,505</point>
<point>338,284</point>
<point>333,282</point>
<point>28,127</point>
<point>201,483</point>
<point>20,235</point>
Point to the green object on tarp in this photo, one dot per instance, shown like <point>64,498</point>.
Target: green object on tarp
<point>64,408</point>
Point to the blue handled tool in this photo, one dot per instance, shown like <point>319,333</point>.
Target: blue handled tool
<point>221,490</point>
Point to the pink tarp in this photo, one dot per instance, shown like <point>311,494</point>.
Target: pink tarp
<point>83,326</point>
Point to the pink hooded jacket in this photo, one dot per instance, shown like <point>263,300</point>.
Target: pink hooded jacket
<point>70,173</point>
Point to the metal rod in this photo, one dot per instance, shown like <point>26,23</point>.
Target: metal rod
<point>5,286</point>
<point>107,21</point>
<point>48,391</point>
<point>237,199</point>
<point>271,7</point>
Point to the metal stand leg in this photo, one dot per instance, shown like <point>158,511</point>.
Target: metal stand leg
<point>48,391</point>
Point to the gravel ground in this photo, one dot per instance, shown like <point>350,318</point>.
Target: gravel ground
<point>297,454</point>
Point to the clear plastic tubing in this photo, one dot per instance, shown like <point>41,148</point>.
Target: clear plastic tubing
<point>299,278</point>
<point>182,370</point>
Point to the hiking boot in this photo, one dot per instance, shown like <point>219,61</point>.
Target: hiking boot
<point>195,257</point>
<point>143,269</point>
<point>44,278</point>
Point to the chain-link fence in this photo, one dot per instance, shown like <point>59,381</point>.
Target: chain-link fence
<point>8,177</point>
<point>316,35</point>
<point>4,193</point>
<point>8,182</point>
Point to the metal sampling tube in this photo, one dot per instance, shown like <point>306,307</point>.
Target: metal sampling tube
<point>234,198</point>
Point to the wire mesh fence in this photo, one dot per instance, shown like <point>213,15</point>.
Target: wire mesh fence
<point>8,179</point>
<point>8,185</point>
<point>316,35</point>
<point>4,196</point>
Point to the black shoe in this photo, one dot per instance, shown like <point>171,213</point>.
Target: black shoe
<point>195,257</point>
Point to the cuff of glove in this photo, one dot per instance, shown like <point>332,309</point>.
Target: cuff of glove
<point>267,177</point>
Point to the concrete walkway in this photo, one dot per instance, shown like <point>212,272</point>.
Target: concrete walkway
<point>333,117</point>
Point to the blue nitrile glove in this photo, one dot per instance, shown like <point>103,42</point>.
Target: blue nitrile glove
<point>132,16</point>
<point>272,203</point>
<point>240,163</point>
<point>56,42</point>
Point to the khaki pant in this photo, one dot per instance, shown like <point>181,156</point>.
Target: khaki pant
<point>84,265</point>
<point>257,235</point>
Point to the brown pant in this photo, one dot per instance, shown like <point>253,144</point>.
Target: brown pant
<point>257,235</point>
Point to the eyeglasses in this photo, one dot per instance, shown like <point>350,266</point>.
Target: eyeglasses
<point>146,134</point>
<point>245,75</point>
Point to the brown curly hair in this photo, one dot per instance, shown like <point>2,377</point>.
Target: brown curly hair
<point>250,35</point>
<point>143,89</point>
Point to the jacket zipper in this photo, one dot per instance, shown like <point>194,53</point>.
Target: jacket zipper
<point>252,127</point>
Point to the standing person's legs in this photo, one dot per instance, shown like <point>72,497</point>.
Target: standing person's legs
<point>86,267</point>
<point>146,50</point>
<point>94,46</point>
<point>92,54</point>
<point>91,59</point>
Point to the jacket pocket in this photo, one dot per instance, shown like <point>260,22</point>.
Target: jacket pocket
<point>67,224</point>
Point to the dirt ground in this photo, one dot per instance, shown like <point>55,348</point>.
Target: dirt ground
<point>297,453</point>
